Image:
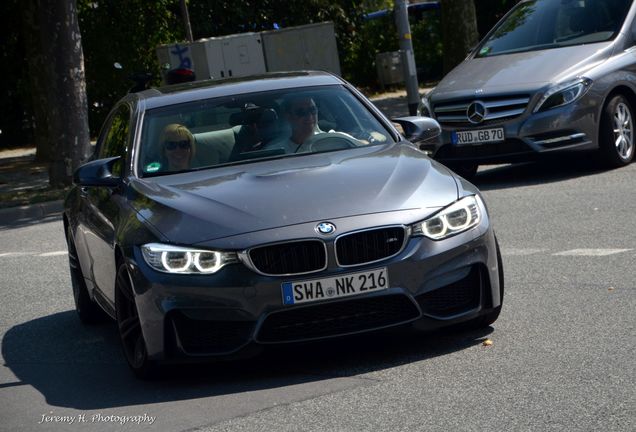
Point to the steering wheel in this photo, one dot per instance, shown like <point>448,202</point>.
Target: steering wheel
<point>326,141</point>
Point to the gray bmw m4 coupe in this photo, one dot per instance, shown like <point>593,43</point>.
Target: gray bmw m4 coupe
<point>218,217</point>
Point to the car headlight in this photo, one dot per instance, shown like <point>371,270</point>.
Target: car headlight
<point>424,108</point>
<point>563,94</point>
<point>176,259</point>
<point>458,217</point>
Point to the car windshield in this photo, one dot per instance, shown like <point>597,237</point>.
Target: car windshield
<point>544,24</point>
<point>249,127</point>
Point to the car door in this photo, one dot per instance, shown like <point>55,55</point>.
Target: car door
<point>102,205</point>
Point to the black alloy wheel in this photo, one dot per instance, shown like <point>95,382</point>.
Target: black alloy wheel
<point>129,326</point>
<point>616,134</point>
<point>87,310</point>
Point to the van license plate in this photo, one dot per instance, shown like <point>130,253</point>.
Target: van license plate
<point>477,136</point>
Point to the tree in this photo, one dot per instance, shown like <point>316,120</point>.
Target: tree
<point>127,32</point>
<point>459,30</point>
<point>34,59</point>
<point>63,69</point>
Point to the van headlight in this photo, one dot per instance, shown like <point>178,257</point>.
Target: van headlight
<point>424,108</point>
<point>458,217</point>
<point>176,259</point>
<point>563,94</point>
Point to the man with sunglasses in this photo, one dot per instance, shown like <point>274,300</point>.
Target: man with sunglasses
<point>178,147</point>
<point>302,115</point>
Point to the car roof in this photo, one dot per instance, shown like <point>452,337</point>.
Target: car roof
<point>206,89</point>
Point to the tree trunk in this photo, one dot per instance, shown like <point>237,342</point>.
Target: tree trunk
<point>459,31</point>
<point>37,80</point>
<point>66,89</point>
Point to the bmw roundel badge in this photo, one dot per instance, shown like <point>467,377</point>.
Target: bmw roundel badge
<point>325,228</point>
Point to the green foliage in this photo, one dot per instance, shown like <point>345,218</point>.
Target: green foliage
<point>124,31</point>
<point>15,102</point>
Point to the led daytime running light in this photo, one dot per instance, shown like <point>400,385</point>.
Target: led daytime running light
<point>454,219</point>
<point>162,257</point>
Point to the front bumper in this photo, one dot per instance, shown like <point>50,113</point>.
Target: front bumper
<point>572,127</point>
<point>433,284</point>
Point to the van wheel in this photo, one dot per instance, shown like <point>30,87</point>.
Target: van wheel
<point>616,135</point>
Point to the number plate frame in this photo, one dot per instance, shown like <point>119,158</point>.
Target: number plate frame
<point>334,287</point>
<point>478,136</point>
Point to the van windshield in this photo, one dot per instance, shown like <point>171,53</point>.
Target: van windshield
<point>544,24</point>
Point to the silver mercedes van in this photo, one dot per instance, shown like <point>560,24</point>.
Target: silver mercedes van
<point>551,76</point>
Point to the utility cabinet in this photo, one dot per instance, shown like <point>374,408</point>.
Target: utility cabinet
<point>234,56</point>
<point>390,67</point>
<point>219,57</point>
<point>311,46</point>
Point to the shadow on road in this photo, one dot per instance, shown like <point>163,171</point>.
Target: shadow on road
<point>82,367</point>
<point>542,171</point>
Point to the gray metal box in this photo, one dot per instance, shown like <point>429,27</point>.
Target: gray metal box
<point>236,55</point>
<point>311,46</point>
<point>390,67</point>
<point>218,57</point>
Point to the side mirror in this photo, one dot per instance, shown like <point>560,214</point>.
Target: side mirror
<point>97,173</point>
<point>418,129</point>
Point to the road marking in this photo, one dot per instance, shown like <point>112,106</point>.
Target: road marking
<point>591,252</point>
<point>56,253</point>
<point>520,252</point>
<point>8,254</point>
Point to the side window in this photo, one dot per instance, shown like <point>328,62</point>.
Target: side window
<point>116,138</point>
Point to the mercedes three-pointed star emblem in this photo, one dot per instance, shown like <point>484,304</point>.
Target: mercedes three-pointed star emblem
<point>476,112</point>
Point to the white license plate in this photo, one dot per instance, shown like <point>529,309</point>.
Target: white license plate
<point>350,284</point>
<point>477,136</point>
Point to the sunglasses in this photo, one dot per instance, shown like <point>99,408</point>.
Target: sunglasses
<point>172,145</point>
<point>304,112</point>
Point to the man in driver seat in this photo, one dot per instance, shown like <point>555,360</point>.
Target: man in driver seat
<point>302,115</point>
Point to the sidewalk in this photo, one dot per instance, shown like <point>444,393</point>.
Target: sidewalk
<point>21,176</point>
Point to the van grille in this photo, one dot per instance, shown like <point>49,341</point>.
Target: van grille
<point>498,109</point>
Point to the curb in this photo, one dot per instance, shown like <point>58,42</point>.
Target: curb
<point>31,213</point>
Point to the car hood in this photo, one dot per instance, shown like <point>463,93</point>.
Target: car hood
<point>521,72</point>
<point>210,204</point>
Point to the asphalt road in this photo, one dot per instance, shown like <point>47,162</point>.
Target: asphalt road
<point>563,353</point>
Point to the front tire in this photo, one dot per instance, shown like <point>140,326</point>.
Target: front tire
<point>616,134</point>
<point>129,326</point>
